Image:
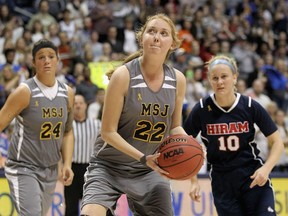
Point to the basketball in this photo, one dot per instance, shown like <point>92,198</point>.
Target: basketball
<point>181,155</point>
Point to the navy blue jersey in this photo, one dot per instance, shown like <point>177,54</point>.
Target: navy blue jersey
<point>229,134</point>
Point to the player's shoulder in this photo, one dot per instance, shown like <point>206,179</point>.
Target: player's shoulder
<point>179,75</point>
<point>247,101</point>
<point>205,101</point>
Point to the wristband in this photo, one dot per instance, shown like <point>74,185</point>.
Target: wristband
<point>143,160</point>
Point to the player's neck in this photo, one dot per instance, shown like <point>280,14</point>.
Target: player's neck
<point>47,81</point>
<point>226,101</point>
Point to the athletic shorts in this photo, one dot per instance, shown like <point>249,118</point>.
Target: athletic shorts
<point>233,196</point>
<point>147,195</point>
<point>31,187</point>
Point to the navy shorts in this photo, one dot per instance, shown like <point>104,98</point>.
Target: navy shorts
<point>233,196</point>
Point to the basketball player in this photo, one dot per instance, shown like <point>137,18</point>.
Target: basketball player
<point>142,107</point>
<point>240,180</point>
<point>42,135</point>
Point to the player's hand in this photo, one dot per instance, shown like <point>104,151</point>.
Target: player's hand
<point>67,175</point>
<point>195,191</point>
<point>260,177</point>
<point>204,150</point>
<point>151,161</point>
<point>2,161</point>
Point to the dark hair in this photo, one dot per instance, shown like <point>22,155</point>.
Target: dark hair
<point>43,43</point>
<point>9,50</point>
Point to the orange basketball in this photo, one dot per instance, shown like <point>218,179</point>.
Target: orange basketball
<point>181,155</point>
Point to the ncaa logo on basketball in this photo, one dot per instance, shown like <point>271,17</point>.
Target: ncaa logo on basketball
<point>173,153</point>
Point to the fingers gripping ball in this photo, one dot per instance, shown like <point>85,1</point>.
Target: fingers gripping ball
<point>181,155</point>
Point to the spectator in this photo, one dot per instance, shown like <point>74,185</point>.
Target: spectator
<point>272,108</point>
<point>195,89</point>
<point>95,108</point>
<point>246,57</point>
<point>52,34</point>
<point>197,28</point>
<point>194,59</point>
<point>68,25</point>
<point>180,60</point>
<point>96,46</point>
<point>84,34</point>
<point>107,54</point>
<point>276,83</point>
<point>27,36</point>
<point>102,17</point>
<point>118,10</point>
<point>86,87</point>
<point>66,51</point>
<point>10,54</point>
<point>20,48</point>
<point>186,36</point>
<point>113,40</point>
<point>130,44</point>
<point>56,7</point>
<point>78,9</point>
<point>241,86</point>
<point>5,15</point>
<point>43,15</point>
<point>282,165</point>
<point>37,31</point>
<point>257,93</point>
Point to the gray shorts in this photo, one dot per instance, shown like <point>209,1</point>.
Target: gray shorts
<point>148,195</point>
<point>31,187</point>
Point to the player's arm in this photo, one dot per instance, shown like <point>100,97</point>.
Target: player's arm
<point>261,175</point>
<point>15,103</point>
<point>276,151</point>
<point>176,127</point>
<point>269,129</point>
<point>68,143</point>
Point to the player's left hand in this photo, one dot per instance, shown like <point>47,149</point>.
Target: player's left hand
<point>67,175</point>
<point>260,177</point>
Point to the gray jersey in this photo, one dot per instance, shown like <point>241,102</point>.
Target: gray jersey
<point>39,128</point>
<point>145,120</point>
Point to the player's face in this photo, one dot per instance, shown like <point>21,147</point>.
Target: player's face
<point>157,38</point>
<point>222,79</point>
<point>46,61</point>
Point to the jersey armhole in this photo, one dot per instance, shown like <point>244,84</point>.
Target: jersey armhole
<point>26,85</point>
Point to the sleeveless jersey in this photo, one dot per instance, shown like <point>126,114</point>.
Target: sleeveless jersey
<point>39,128</point>
<point>229,134</point>
<point>145,119</point>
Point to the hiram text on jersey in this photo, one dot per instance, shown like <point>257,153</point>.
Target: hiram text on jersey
<point>224,128</point>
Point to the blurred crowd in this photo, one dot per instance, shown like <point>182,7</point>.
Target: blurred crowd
<point>254,32</point>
